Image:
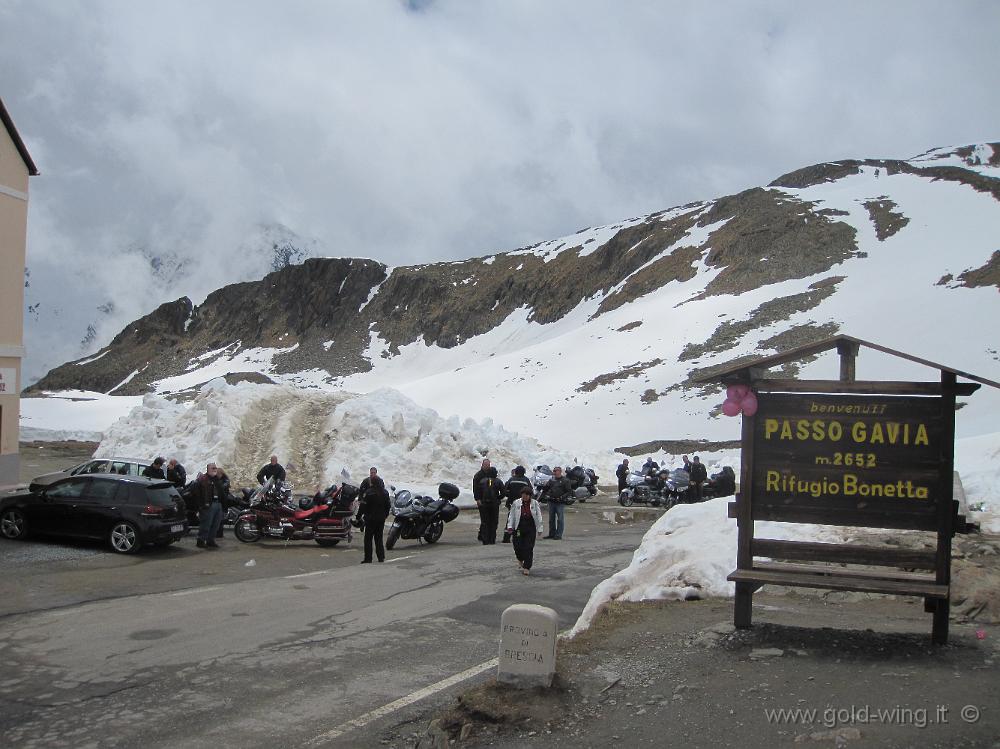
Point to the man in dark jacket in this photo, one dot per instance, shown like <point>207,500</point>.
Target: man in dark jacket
<point>154,471</point>
<point>490,496</point>
<point>176,474</point>
<point>622,474</point>
<point>484,472</point>
<point>273,469</point>
<point>515,483</point>
<point>374,508</point>
<point>558,491</point>
<point>698,475</point>
<point>210,492</point>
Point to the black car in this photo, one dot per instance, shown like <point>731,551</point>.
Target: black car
<point>126,511</point>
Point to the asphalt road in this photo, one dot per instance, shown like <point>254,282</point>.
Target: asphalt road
<point>269,644</point>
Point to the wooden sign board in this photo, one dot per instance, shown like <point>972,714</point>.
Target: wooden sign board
<point>874,457</point>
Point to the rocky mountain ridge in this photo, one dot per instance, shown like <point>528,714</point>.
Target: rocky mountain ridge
<point>801,236</point>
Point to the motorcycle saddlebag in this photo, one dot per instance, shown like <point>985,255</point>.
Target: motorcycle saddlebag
<point>348,493</point>
<point>449,512</point>
<point>448,491</point>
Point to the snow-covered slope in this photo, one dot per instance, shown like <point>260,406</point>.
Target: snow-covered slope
<point>903,254</point>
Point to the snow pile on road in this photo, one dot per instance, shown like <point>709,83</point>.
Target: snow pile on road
<point>691,549</point>
<point>195,432</point>
<point>977,460</point>
<point>316,435</point>
<point>686,554</point>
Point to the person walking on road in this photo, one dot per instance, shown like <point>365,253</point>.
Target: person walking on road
<point>515,484</point>
<point>558,491</point>
<point>524,523</point>
<point>212,488</point>
<point>622,474</point>
<point>273,469</point>
<point>374,508</point>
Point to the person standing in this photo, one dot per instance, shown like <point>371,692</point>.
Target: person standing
<point>517,481</point>
<point>622,474</point>
<point>212,488</point>
<point>524,523</point>
<point>558,491</point>
<point>154,471</point>
<point>687,464</point>
<point>273,469</point>
<point>490,497</point>
<point>482,473</point>
<point>698,474</point>
<point>374,508</point>
<point>176,474</point>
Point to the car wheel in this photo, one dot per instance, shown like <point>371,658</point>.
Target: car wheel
<point>625,499</point>
<point>124,538</point>
<point>328,541</point>
<point>13,525</point>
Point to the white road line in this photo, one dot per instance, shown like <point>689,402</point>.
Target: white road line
<point>397,559</point>
<point>409,699</point>
<point>196,590</point>
<point>307,574</point>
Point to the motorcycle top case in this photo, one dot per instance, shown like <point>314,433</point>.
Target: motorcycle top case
<point>449,512</point>
<point>448,491</point>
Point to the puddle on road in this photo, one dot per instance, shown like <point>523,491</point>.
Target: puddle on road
<point>632,515</point>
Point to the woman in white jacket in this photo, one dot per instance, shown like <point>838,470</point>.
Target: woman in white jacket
<point>524,522</point>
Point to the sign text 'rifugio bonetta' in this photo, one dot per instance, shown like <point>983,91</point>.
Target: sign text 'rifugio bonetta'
<point>812,448</point>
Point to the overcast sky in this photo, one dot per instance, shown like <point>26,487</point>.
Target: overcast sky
<point>426,130</point>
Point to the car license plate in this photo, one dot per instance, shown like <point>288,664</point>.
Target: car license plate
<point>176,528</point>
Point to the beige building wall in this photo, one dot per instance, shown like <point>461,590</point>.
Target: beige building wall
<point>13,230</point>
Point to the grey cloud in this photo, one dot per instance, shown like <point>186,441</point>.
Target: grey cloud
<point>419,131</point>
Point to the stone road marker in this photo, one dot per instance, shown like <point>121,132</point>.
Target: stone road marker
<point>527,645</point>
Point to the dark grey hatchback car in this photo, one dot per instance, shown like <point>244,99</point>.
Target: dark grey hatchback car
<point>128,512</point>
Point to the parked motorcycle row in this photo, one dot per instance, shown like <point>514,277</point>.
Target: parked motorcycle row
<point>667,487</point>
<point>271,511</point>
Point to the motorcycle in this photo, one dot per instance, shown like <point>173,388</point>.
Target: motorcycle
<point>676,484</point>
<point>420,517</point>
<point>646,488</point>
<point>325,519</point>
<point>721,484</point>
<point>540,479</point>
<point>579,476</point>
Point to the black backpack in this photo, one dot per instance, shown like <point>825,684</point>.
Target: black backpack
<point>491,490</point>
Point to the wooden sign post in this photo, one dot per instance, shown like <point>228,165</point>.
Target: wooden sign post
<point>848,453</point>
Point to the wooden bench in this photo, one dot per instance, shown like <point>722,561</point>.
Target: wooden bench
<point>848,567</point>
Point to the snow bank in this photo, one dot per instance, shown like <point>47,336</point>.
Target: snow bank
<point>71,415</point>
<point>689,551</point>
<point>195,432</point>
<point>317,435</point>
<point>687,554</point>
<point>977,460</point>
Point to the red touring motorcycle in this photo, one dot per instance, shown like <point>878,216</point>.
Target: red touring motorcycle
<point>325,518</point>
